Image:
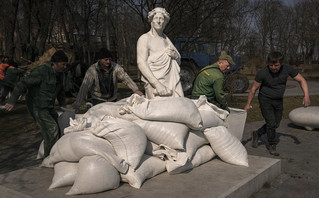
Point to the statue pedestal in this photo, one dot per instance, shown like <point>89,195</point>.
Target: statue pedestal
<point>212,179</point>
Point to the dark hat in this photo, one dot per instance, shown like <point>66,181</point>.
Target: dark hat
<point>59,56</point>
<point>104,53</point>
<point>224,56</point>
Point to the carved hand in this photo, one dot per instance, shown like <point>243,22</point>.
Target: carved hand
<point>161,90</point>
<point>171,52</point>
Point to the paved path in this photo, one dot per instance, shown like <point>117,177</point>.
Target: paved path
<point>299,153</point>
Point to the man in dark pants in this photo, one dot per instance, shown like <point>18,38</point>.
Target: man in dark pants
<point>272,83</point>
<point>44,85</point>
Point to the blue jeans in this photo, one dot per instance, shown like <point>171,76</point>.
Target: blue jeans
<point>271,110</point>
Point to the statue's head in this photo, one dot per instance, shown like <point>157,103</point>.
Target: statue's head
<point>158,10</point>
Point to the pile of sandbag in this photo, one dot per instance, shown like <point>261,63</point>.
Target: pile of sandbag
<point>135,139</point>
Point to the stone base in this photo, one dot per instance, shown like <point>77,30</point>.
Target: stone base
<point>212,179</point>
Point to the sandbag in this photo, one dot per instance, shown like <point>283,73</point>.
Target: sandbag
<point>95,175</point>
<point>203,105</point>
<point>210,119</point>
<point>194,140</point>
<point>174,159</point>
<point>149,167</point>
<point>150,146</point>
<point>170,134</point>
<point>226,146</point>
<point>204,154</point>
<point>127,138</point>
<point>305,117</point>
<point>64,119</point>
<point>98,112</point>
<point>73,146</point>
<point>168,109</point>
<point>77,125</point>
<point>40,154</point>
<point>211,115</point>
<point>174,167</point>
<point>177,164</point>
<point>64,174</point>
<point>235,122</point>
<point>201,156</point>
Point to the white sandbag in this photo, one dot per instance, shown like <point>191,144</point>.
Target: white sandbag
<point>127,138</point>
<point>305,117</point>
<point>235,122</point>
<point>150,147</point>
<point>175,159</point>
<point>204,154</point>
<point>194,140</point>
<point>94,175</point>
<point>203,105</point>
<point>210,119</point>
<point>64,174</point>
<point>64,119</point>
<point>168,109</point>
<point>164,152</point>
<point>40,154</point>
<point>201,156</point>
<point>226,146</point>
<point>149,167</point>
<point>76,125</point>
<point>170,134</point>
<point>100,111</point>
<point>73,146</point>
<point>173,167</point>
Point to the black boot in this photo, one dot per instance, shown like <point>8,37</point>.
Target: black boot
<point>255,138</point>
<point>272,150</point>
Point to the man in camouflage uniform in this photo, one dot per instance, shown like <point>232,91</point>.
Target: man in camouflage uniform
<point>210,79</point>
<point>44,85</point>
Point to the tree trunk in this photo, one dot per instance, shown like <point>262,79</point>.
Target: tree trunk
<point>11,30</point>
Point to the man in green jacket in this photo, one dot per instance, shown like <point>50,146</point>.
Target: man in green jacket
<point>44,85</point>
<point>210,79</point>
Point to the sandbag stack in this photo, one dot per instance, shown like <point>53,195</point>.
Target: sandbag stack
<point>136,139</point>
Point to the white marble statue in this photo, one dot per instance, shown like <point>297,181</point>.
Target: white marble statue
<point>158,59</point>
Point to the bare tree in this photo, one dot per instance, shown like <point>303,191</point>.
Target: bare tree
<point>9,18</point>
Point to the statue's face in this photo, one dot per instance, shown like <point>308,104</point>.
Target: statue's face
<point>158,21</point>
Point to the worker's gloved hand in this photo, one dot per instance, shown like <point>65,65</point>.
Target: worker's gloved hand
<point>64,109</point>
